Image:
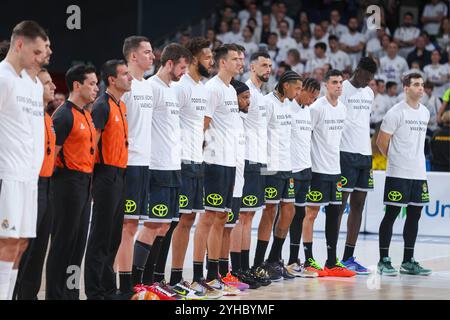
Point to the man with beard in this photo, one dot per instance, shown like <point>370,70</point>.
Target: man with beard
<point>406,35</point>
<point>353,42</point>
<point>75,150</point>
<point>165,161</point>
<point>255,126</point>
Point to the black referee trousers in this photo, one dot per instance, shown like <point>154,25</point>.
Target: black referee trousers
<point>32,262</point>
<point>105,233</point>
<point>72,207</point>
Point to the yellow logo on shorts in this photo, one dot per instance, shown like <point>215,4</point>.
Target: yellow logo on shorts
<point>344,181</point>
<point>395,196</point>
<point>250,201</point>
<point>214,199</point>
<point>130,206</point>
<point>183,201</point>
<point>230,216</point>
<point>315,196</point>
<point>160,210</point>
<point>271,192</point>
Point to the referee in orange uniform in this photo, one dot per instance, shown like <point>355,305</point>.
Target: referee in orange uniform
<point>109,115</point>
<point>75,149</point>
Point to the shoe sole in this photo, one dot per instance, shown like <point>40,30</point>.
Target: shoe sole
<point>394,274</point>
<point>277,280</point>
<point>308,276</point>
<point>414,274</point>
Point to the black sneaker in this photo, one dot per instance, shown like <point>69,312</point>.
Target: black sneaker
<point>284,272</point>
<point>247,278</point>
<point>260,275</point>
<point>274,270</point>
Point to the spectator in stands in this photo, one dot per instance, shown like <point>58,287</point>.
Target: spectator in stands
<point>285,42</point>
<point>319,74</point>
<point>420,54</point>
<point>429,45</point>
<point>346,74</point>
<point>60,98</point>
<point>276,75</point>
<point>265,28</point>
<point>440,146</point>
<point>305,49</point>
<point>293,60</point>
<point>432,16</point>
<point>248,44</point>
<point>392,93</point>
<point>272,48</point>
<point>406,35</point>
<point>381,104</point>
<point>433,104</point>
<point>319,35</point>
<point>250,11</point>
<point>373,46</point>
<point>336,28</point>
<point>185,38</point>
<point>437,74</point>
<point>353,42</point>
<point>393,66</point>
<point>297,36</point>
<point>235,35</point>
<point>251,22</point>
<point>211,36</point>
<point>415,68</point>
<point>443,38</point>
<point>223,34</point>
<point>282,15</point>
<point>320,58</point>
<point>338,58</point>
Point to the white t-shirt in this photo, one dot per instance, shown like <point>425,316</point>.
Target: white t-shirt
<point>339,60</point>
<point>432,10</point>
<point>284,44</point>
<point>299,68</point>
<point>139,102</point>
<point>166,132</point>
<point>316,63</point>
<point>408,127</point>
<point>337,30</point>
<point>192,100</point>
<point>327,125</point>
<point>356,134</point>
<point>306,53</point>
<point>324,39</point>
<point>240,157</point>
<point>278,133</point>
<point>437,74</point>
<point>406,34</point>
<point>255,125</point>
<point>223,109</point>
<point>250,48</point>
<point>300,137</point>
<point>16,133</point>
<point>393,69</point>
<point>381,105</point>
<point>35,113</point>
<point>352,40</point>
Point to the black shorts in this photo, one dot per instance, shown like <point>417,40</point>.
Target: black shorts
<point>253,192</point>
<point>163,195</point>
<point>219,185</point>
<point>233,215</point>
<point>403,192</point>
<point>280,188</point>
<point>302,182</point>
<point>325,189</point>
<point>356,171</point>
<point>191,192</point>
<point>136,192</point>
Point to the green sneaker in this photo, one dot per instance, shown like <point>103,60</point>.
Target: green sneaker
<point>414,268</point>
<point>385,267</point>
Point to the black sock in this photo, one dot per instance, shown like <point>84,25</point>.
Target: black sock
<point>213,270</point>
<point>410,231</point>
<point>140,256</point>
<point>160,267</point>
<point>224,267</point>
<point>307,246</point>
<point>125,282</point>
<point>349,251</point>
<point>295,234</point>
<point>235,261</point>
<point>176,275</point>
<point>198,271</point>
<point>408,254</point>
<point>385,232</point>
<point>275,251</point>
<point>245,260</point>
<point>148,275</point>
<point>260,253</point>
<point>331,233</point>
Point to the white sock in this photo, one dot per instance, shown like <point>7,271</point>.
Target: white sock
<point>12,283</point>
<point>5,274</point>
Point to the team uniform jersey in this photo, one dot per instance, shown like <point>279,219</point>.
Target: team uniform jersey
<point>192,98</point>
<point>18,180</point>
<point>406,158</point>
<point>48,164</point>
<point>165,163</point>
<point>393,69</point>
<point>327,125</point>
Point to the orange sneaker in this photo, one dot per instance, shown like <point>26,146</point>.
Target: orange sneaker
<point>312,266</point>
<point>231,280</point>
<point>339,270</point>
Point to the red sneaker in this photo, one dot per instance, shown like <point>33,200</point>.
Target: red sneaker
<point>339,270</point>
<point>312,266</point>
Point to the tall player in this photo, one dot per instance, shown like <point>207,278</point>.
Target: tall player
<point>356,154</point>
<point>221,118</point>
<point>279,180</point>
<point>18,194</point>
<point>327,121</point>
<point>138,53</point>
<point>192,99</point>
<point>401,140</point>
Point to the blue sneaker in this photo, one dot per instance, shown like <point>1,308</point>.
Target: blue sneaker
<point>353,265</point>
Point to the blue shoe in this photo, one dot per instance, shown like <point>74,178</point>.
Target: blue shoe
<point>353,265</point>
